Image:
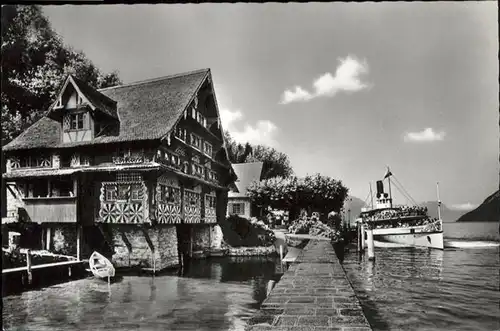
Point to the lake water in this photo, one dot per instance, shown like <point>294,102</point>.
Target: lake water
<point>215,294</point>
<point>404,289</point>
<point>472,230</point>
<point>428,290</point>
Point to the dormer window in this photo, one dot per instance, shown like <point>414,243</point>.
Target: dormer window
<point>84,112</point>
<point>77,121</point>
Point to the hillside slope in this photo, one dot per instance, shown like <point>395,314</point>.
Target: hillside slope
<point>488,211</point>
<point>447,214</point>
<point>354,204</point>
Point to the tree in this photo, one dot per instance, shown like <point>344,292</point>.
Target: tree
<point>34,63</point>
<point>313,193</point>
<point>237,152</point>
<point>276,164</point>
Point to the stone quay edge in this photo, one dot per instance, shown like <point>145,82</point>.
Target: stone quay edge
<point>313,294</point>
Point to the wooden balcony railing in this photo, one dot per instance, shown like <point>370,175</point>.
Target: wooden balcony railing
<point>119,160</point>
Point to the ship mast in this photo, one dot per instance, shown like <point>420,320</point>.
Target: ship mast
<point>390,195</point>
<point>371,194</point>
<point>439,201</point>
<point>388,175</point>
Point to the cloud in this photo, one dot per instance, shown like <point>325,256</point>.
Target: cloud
<point>346,79</point>
<point>298,95</point>
<point>262,133</point>
<point>227,117</point>
<point>463,206</point>
<point>426,135</point>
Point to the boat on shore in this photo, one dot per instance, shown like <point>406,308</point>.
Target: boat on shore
<point>101,267</point>
<point>408,225</point>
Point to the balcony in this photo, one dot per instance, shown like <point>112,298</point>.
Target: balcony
<point>131,159</point>
<point>197,170</point>
<point>51,209</point>
<point>212,176</point>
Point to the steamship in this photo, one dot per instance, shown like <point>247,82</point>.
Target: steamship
<point>408,225</point>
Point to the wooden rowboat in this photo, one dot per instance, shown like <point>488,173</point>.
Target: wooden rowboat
<point>101,267</point>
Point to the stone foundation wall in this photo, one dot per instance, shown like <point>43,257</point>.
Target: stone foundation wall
<point>13,200</point>
<point>201,237</point>
<point>207,237</point>
<point>133,244</point>
<point>63,238</point>
<point>216,236</point>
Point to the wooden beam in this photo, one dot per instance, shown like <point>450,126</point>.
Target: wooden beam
<point>190,252</point>
<point>126,241</point>
<point>40,266</point>
<point>48,234</point>
<point>78,242</point>
<point>151,247</point>
<point>75,186</point>
<point>28,266</point>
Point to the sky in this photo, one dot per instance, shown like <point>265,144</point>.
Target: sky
<point>344,89</point>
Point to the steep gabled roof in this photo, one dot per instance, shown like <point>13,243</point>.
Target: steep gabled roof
<point>98,99</point>
<point>93,98</point>
<point>147,110</point>
<point>247,173</point>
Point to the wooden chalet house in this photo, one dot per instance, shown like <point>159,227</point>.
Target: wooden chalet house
<point>141,168</point>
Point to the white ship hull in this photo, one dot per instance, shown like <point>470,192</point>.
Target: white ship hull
<point>410,236</point>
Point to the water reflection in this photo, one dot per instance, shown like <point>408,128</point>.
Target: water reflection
<point>421,289</point>
<point>218,294</point>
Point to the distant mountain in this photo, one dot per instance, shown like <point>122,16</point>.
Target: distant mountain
<point>488,211</point>
<point>355,205</point>
<point>447,214</point>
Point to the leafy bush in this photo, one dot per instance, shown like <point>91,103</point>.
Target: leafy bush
<point>314,227</point>
<point>239,231</point>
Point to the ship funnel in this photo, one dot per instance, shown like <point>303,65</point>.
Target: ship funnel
<point>380,188</point>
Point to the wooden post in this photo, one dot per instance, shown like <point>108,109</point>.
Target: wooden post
<point>371,245</point>
<point>78,244</point>
<point>47,242</point>
<point>360,233</point>
<point>28,266</point>
<point>209,239</point>
<point>363,234</point>
<point>154,261</point>
<point>190,252</point>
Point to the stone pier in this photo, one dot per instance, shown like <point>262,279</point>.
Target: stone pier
<point>313,294</point>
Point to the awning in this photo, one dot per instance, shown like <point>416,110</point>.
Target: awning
<point>23,173</point>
